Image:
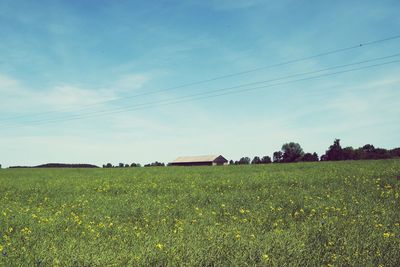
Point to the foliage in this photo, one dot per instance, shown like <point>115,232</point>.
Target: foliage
<point>266,160</point>
<point>242,161</point>
<point>133,165</point>
<point>155,164</point>
<point>256,160</point>
<point>303,214</point>
<point>310,157</point>
<point>108,165</point>
<point>292,152</point>
<point>368,151</point>
<point>335,151</point>
<point>278,156</point>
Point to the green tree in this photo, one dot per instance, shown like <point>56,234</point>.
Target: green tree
<point>395,152</point>
<point>348,153</point>
<point>335,151</point>
<point>256,160</point>
<point>277,156</point>
<point>135,165</point>
<point>244,160</point>
<point>292,152</point>
<point>266,160</point>
<point>310,157</point>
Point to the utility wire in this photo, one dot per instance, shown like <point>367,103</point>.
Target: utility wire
<point>368,43</point>
<point>238,86</point>
<point>175,101</point>
<point>227,88</point>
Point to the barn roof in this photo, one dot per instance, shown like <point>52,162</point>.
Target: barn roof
<point>207,158</point>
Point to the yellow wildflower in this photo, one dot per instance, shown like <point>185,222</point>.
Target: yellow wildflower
<point>159,246</point>
<point>265,257</point>
<point>26,231</point>
<point>387,235</point>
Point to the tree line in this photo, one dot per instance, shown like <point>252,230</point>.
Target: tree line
<point>368,151</point>
<point>133,165</point>
<point>293,152</point>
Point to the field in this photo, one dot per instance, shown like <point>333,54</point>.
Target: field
<point>315,214</point>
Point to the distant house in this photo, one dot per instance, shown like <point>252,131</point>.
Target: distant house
<point>200,161</point>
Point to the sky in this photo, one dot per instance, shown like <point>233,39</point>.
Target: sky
<point>144,81</point>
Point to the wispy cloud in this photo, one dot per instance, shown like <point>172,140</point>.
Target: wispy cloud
<point>17,97</point>
<point>233,5</point>
<point>132,82</point>
<point>7,84</point>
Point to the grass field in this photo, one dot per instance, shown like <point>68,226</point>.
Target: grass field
<point>316,214</point>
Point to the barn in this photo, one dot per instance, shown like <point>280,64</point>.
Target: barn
<point>210,160</point>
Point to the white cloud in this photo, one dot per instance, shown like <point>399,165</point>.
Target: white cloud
<point>20,98</point>
<point>73,97</point>
<point>132,82</point>
<point>7,84</point>
<point>232,5</point>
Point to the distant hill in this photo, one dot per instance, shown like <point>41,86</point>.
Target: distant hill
<point>58,165</point>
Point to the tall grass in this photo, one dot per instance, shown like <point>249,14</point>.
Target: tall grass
<point>316,214</point>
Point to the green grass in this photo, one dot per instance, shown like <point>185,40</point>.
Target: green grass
<point>315,214</point>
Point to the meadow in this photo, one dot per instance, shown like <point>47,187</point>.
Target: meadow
<point>301,214</point>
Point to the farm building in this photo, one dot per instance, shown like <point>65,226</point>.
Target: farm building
<point>200,160</point>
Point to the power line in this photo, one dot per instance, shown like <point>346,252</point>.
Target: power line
<point>191,98</point>
<point>234,87</point>
<point>248,84</point>
<point>360,45</point>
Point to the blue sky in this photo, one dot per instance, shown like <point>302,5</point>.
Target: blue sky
<point>63,59</point>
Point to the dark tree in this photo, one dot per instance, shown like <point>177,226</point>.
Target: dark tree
<point>231,162</point>
<point>126,166</point>
<point>348,153</point>
<point>121,165</point>
<point>108,165</point>
<point>266,160</point>
<point>381,153</point>
<point>370,152</point>
<point>244,160</point>
<point>155,164</point>
<point>395,152</point>
<point>256,160</point>
<point>368,148</point>
<point>135,165</point>
<point>278,156</point>
<point>310,157</point>
<point>335,151</point>
<point>292,152</point>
